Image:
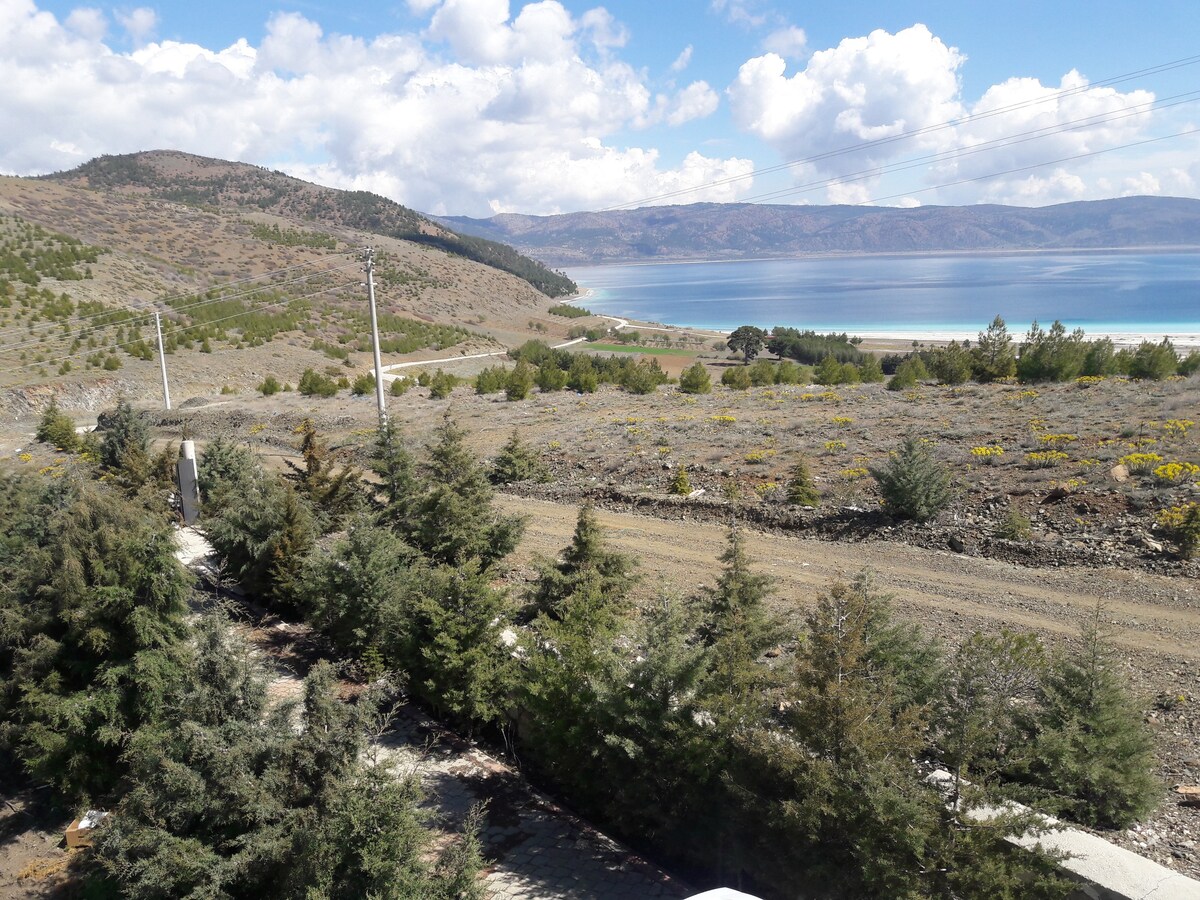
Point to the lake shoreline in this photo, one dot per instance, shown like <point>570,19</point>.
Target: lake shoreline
<point>1128,295</point>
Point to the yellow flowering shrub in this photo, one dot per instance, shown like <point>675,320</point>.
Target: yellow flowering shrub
<point>835,446</point>
<point>1177,428</point>
<point>987,455</point>
<point>1045,459</point>
<point>1169,473</point>
<point>1058,440</point>
<point>1140,463</point>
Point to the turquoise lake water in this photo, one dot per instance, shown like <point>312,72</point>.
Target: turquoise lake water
<point>1120,294</point>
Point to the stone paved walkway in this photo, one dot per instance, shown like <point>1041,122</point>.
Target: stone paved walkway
<point>536,848</point>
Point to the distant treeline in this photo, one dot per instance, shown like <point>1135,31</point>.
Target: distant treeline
<point>1052,354</point>
<point>1046,355</point>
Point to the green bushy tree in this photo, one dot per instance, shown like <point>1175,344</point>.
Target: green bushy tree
<point>314,384</point>
<point>581,377</point>
<point>94,621</point>
<point>800,488</point>
<point>695,380</point>
<point>1154,362</point>
<point>452,517</point>
<point>748,340</point>
<point>643,377</point>
<point>951,364</point>
<point>1091,753</point>
<point>57,429</point>
<point>491,380</point>
<point>351,589</point>
<point>911,371</point>
<point>737,379</point>
<point>517,461</point>
<point>870,370</point>
<point>828,371</point>
<point>914,484</point>
<point>519,382</point>
<point>228,799</point>
<point>456,658</point>
<point>681,484</point>
<point>550,378</point>
<point>126,441</point>
<point>994,356</point>
<point>1051,355</point>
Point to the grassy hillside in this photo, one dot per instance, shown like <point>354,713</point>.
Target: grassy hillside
<point>216,184</point>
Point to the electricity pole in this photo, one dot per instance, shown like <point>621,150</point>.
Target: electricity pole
<point>162,360</point>
<point>369,265</point>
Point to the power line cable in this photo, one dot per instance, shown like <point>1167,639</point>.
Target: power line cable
<point>139,312</point>
<point>124,344</point>
<point>183,295</point>
<point>916,132</point>
<point>962,152</point>
<point>1041,165</point>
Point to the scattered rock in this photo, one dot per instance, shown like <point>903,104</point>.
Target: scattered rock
<point>1119,474</point>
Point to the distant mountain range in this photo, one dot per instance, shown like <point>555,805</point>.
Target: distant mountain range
<point>748,230</point>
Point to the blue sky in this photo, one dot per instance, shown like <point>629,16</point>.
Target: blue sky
<point>484,106</point>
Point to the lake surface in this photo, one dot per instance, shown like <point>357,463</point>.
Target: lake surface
<point>1119,294</point>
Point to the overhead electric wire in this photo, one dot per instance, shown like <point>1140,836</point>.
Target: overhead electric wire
<point>182,295</point>
<point>141,311</point>
<point>986,147</point>
<point>1041,165</point>
<point>916,132</point>
<point>59,360</point>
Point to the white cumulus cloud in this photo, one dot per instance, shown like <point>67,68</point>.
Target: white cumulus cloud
<point>138,23</point>
<point>895,99</point>
<point>488,109</point>
<point>789,42</point>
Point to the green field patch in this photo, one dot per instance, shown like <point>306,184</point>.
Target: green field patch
<point>649,351</point>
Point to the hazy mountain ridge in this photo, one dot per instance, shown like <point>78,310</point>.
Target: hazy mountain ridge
<point>747,230</point>
<point>200,181</point>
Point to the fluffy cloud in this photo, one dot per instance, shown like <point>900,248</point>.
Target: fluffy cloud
<point>748,13</point>
<point>138,23</point>
<point>790,42</point>
<point>695,101</point>
<point>864,89</point>
<point>484,111</point>
<point>682,60</point>
<point>853,110</point>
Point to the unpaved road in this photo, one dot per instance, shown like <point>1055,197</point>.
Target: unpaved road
<point>948,593</point>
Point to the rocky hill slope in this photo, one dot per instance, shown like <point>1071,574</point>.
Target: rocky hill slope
<point>199,181</point>
<point>745,230</point>
<point>255,274</point>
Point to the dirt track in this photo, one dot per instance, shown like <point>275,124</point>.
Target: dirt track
<point>950,594</point>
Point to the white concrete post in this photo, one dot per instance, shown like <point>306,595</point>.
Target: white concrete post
<point>189,482</point>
